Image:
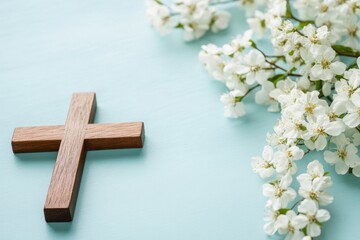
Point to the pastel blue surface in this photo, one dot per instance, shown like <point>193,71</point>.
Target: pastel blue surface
<point>193,178</point>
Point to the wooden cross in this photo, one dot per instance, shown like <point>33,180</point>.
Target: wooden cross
<point>72,140</point>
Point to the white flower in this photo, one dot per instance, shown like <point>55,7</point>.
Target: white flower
<point>263,97</point>
<point>352,119</point>
<point>316,35</point>
<point>279,192</point>
<point>191,8</point>
<point>344,157</point>
<point>295,44</point>
<point>250,6</point>
<point>325,67</point>
<point>356,138</point>
<point>238,44</point>
<point>282,87</point>
<point>270,219</point>
<point>306,8</point>
<point>233,108</point>
<point>285,157</point>
<point>294,126</point>
<point>160,18</point>
<point>220,20</point>
<point>315,170</point>
<point>332,20</point>
<point>304,83</point>
<point>264,165</point>
<point>196,27</point>
<point>354,75</point>
<point>342,98</point>
<point>311,105</point>
<point>258,23</point>
<point>314,183</point>
<point>353,32</point>
<point>277,7</point>
<point>291,224</point>
<point>314,190</point>
<point>314,215</point>
<point>210,58</point>
<point>252,66</point>
<point>318,130</point>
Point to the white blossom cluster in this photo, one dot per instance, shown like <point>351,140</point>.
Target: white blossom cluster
<point>318,96</point>
<point>195,17</point>
<point>313,79</point>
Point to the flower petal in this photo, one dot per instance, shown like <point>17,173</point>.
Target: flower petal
<point>313,230</point>
<point>338,68</point>
<point>322,215</point>
<point>341,168</point>
<point>300,221</point>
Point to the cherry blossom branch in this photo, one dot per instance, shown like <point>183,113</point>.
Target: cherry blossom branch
<point>288,73</point>
<point>307,105</point>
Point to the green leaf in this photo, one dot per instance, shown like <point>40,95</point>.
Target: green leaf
<point>338,77</point>
<point>302,127</point>
<point>238,99</point>
<point>179,26</point>
<point>263,23</point>
<point>253,44</point>
<point>326,173</point>
<point>276,78</point>
<point>353,65</point>
<point>303,24</point>
<point>343,49</point>
<point>342,115</point>
<point>293,69</point>
<point>288,13</point>
<point>318,85</point>
<point>283,210</point>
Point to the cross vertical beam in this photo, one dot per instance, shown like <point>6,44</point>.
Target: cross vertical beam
<point>65,181</point>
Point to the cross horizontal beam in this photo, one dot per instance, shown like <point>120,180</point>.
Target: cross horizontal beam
<point>97,137</point>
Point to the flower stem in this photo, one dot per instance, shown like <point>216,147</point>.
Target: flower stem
<point>296,203</point>
<point>307,152</point>
<point>251,89</point>
<point>274,64</point>
<point>283,69</point>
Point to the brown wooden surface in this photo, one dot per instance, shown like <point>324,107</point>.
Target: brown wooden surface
<point>97,137</point>
<point>73,140</point>
<point>114,135</point>
<point>65,180</point>
<point>37,139</point>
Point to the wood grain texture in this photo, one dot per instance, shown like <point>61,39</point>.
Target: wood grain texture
<point>37,139</point>
<point>114,135</point>
<point>65,181</point>
<point>72,140</point>
<point>97,137</point>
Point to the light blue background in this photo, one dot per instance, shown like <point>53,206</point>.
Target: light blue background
<point>193,178</point>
